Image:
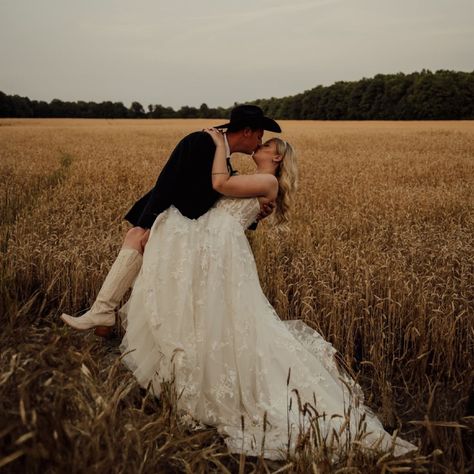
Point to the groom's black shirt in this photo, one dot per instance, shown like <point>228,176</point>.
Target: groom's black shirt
<point>185,182</point>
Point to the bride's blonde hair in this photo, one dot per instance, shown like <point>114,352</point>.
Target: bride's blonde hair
<point>287,175</point>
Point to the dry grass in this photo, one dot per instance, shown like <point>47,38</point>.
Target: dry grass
<point>379,259</point>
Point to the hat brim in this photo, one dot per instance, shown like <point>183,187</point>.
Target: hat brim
<point>265,123</point>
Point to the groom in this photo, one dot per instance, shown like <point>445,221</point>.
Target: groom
<point>184,182</point>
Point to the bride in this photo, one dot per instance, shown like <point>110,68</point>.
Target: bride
<point>197,315</point>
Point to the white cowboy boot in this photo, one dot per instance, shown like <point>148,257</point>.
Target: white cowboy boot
<point>119,279</point>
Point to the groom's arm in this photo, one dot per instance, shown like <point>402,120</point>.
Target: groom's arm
<point>144,212</point>
<point>185,180</point>
<point>161,196</point>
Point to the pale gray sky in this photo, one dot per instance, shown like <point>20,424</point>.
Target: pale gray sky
<point>184,52</point>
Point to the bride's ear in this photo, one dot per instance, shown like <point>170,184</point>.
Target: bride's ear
<point>277,158</point>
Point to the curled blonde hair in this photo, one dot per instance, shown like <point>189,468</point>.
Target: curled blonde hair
<point>287,175</point>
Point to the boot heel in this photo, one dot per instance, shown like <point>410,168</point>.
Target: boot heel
<point>103,331</point>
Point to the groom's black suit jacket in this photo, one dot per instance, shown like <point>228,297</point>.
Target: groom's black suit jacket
<point>184,182</point>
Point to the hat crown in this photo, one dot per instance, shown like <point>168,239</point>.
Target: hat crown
<point>252,116</point>
<point>242,112</point>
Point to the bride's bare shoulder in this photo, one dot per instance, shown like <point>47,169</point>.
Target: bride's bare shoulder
<point>271,185</point>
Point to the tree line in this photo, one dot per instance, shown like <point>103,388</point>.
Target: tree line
<point>443,95</point>
<point>17,106</point>
<point>425,95</point>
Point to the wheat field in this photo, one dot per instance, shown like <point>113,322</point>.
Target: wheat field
<point>379,258</point>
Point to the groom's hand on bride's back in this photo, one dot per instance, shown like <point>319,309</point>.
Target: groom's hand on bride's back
<point>265,210</point>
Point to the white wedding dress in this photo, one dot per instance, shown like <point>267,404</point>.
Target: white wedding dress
<point>197,314</point>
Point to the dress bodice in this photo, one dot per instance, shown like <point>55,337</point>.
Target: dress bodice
<point>245,210</point>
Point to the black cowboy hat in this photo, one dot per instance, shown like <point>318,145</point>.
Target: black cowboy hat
<point>243,116</point>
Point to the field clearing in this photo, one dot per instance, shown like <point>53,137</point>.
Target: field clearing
<point>379,258</point>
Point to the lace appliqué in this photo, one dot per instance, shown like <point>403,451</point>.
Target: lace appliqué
<point>243,210</point>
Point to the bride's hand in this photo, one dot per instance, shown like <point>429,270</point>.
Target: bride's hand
<point>216,135</point>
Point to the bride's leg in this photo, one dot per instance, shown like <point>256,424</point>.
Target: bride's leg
<point>120,278</point>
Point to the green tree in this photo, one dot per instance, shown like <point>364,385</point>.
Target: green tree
<point>136,110</point>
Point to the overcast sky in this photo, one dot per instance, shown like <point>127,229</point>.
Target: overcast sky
<point>185,52</point>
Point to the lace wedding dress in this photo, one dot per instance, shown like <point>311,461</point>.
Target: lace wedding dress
<point>197,314</point>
